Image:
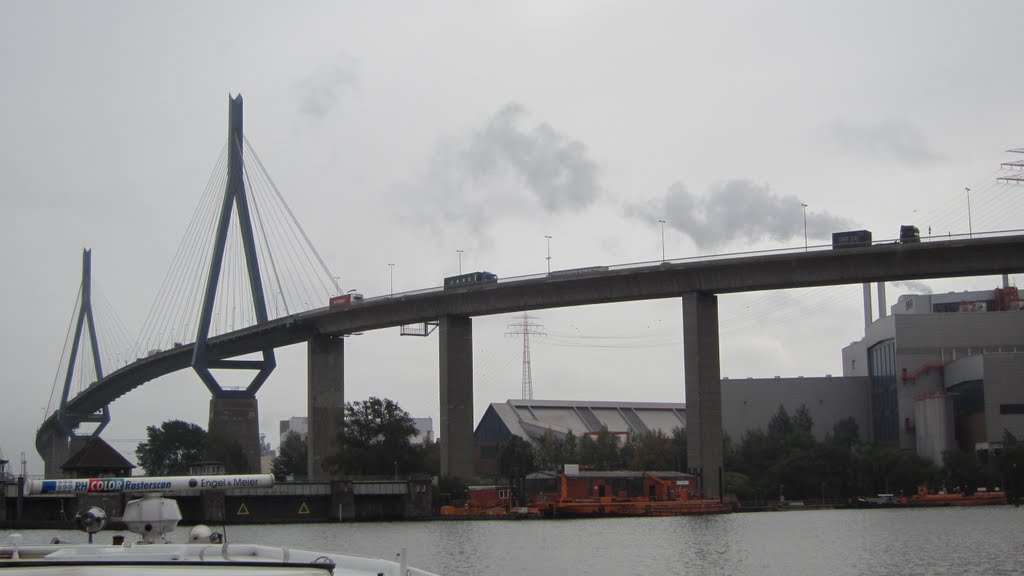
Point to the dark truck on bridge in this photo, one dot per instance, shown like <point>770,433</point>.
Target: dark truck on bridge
<point>851,239</point>
<point>909,234</point>
<point>469,279</point>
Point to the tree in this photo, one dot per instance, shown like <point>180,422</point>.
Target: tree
<point>222,448</point>
<point>679,455</point>
<point>781,425</point>
<point>844,434</point>
<point>375,438</point>
<point>292,458</point>
<point>572,448</point>
<point>551,452</point>
<point>1011,465</point>
<point>601,451</point>
<point>802,421</point>
<point>515,457</point>
<point>430,458</point>
<point>654,451</point>
<point>171,448</point>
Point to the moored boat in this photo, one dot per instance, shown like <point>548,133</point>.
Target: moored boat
<point>981,497</point>
<point>576,493</point>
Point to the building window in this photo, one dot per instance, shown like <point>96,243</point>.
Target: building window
<point>1011,408</point>
<point>884,406</point>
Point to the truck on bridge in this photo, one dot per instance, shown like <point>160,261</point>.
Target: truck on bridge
<point>349,298</point>
<point>851,239</point>
<point>469,279</point>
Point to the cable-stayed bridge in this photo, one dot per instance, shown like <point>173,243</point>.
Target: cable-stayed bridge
<point>261,285</point>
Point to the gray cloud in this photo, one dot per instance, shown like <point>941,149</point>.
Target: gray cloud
<point>893,140</point>
<point>914,286</point>
<point>322,91</point>
<point>738,210</point>
<point>554,168</point>
<point>506,168</point>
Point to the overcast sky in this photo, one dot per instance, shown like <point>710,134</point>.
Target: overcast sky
<point>402,132</point>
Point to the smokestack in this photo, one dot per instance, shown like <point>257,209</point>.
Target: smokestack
<point>867,305</point>
<point>1006,280</point>
<point>881,300</point>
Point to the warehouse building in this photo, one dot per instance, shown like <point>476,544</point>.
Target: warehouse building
<point>531,420</point>
<point>935,372</point>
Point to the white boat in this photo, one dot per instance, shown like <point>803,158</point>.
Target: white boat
<point>152,518</point>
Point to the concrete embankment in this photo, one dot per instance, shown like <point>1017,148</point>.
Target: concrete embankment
<point>287,502</point>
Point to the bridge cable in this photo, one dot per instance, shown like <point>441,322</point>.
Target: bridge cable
<point>63,357</point>
<point>262,241</point>
<point>265,236</point>
<point>189,267</point>
<point>302,231</point>
<point>294,274</point>
<point>169,287</point>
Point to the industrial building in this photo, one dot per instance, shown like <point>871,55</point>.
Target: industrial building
<point>750,403</point>
<point>297,424</point>
<point>934,372</point>
<point>424,430</point>
<point>946,371</point>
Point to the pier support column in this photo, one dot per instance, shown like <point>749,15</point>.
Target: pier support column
<point>325,397</point>
<point>703,390</point>
<point>56,451</point>
<point>235,434</point>
<point>456,376</point>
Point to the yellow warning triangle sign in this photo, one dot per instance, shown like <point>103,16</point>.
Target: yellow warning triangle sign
<point>242,510</point>
<point>303,509</point>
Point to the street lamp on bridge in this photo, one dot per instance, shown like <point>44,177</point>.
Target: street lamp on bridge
<point>970,229</point>
<point>804,206</point>
<point>662,240</point>
<point>391,268</point>
<point>549,252</point>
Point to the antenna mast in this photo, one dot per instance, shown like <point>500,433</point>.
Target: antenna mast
<point>525,328</point>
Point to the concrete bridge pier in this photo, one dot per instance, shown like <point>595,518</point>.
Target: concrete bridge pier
<point>703,390</point>
<point>325,397</point>
<point>456,378</point>
<point>56,451</point>
<point>235,433</point>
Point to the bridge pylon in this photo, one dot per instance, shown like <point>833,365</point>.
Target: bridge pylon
<point>233,413</point>
<point>62,444</point>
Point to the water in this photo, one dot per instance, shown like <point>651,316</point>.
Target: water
<point>934,541</point>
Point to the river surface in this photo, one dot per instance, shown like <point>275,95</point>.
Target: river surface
<point>897,542</point>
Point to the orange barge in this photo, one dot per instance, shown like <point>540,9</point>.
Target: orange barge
<point>982,497</point>
<point>489,502</point>
<point>591,493</point>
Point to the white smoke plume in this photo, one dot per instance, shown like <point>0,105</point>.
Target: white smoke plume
<point>739,210</point>
<point>914,286</point>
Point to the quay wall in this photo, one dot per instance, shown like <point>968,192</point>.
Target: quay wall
<point>292,502</point>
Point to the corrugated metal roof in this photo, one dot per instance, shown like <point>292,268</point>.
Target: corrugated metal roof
<point>594,404</point>
<point>533,418</point>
